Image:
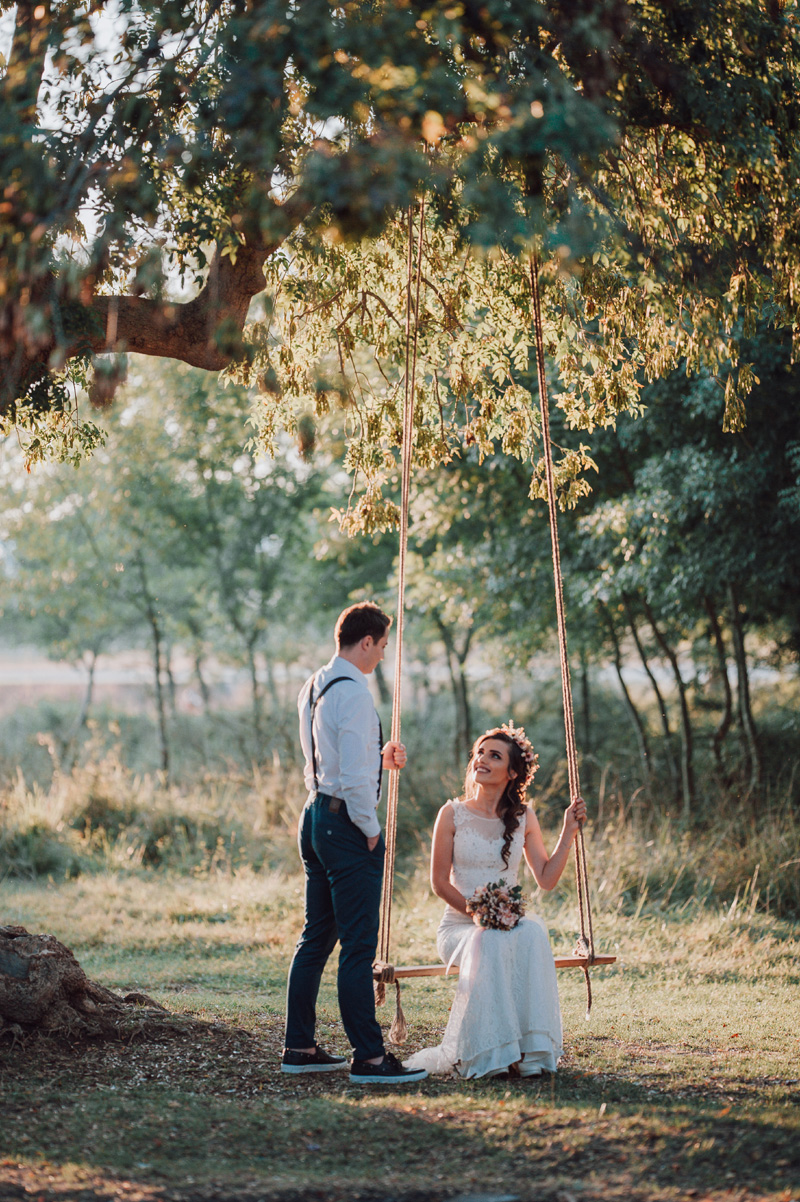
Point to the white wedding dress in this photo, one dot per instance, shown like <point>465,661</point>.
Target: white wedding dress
<point>506,1008</point>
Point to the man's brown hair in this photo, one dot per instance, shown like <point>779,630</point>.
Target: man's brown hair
<point>358,621</point>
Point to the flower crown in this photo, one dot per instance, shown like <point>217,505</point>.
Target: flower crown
<point>517,733</point>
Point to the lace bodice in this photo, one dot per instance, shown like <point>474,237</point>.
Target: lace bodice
<point>477,848</point>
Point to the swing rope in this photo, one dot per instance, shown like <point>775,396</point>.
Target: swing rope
<point>384,970</point>
<point>585,944</point>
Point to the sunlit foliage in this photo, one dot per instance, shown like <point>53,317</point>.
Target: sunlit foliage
<point>155,153</point>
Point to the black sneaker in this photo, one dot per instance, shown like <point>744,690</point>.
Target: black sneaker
<point>389,1072</point>
<point>318,1061</point>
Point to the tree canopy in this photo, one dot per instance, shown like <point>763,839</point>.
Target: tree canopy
<point>157,156</point>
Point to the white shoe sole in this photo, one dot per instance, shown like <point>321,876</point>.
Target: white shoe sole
<point>313,1068</point>
<point>406,1079</point>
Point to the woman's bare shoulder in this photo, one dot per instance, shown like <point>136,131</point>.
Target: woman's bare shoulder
<point>447,814</point>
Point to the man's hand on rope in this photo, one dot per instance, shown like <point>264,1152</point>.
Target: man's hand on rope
<point>574,816</point>
<point>394,756</point>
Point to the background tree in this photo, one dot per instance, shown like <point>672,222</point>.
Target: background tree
<point>60,582</point>
<point>690,534</point>
<point>177,535</point>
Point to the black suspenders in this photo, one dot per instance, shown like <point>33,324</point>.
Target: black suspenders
<point>312,706</point>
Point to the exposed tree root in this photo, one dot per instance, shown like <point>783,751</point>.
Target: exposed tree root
<point>44,989</point>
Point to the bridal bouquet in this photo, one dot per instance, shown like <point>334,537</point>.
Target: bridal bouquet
<point>497,906</point>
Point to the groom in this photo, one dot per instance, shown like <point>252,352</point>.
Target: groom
<point>342,850</point>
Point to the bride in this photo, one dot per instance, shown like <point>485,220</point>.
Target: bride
<point>506,1013</point>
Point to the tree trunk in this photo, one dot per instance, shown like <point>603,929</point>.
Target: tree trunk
<point>202,683</point>
<point>255,694</point>
<point>196,631</point>
<point>172,687</point>
<point>273,691</point>
<point>151,614</point>
<point>746,720</point>
<point>463,709</point>
<point>720,734</point>
<point>672,767</point>
<point>687,737</point>
<point>161,707</point>
<point>83,716</point>
<point>455,665</point>
<point>383,688</point>
<point>421,683</point>
<point>633,713</point>
<point>88,696</point>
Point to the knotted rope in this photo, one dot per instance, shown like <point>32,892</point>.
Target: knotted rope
<point>585,943</point>
<point>385,970</point>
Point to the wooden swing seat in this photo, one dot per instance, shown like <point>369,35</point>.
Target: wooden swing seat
<point>402,971</point>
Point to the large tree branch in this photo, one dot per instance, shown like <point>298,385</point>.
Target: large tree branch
<point>205,332</point>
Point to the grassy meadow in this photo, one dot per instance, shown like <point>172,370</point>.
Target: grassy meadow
<point>684,1083</point>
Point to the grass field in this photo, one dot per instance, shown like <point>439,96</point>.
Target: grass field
<point>684,1084</point>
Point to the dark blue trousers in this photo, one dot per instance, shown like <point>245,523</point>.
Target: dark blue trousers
<point>343,897</point>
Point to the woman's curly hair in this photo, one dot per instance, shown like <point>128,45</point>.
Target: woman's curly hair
<point>511,805</point>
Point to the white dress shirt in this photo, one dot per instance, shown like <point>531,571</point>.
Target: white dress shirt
<point>347,740</point>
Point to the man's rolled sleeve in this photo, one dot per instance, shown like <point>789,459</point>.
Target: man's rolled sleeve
<point>359,762</point>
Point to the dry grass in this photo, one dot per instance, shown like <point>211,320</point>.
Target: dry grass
<point>103,818</point>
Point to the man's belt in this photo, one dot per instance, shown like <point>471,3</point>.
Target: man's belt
<point>334,803</point>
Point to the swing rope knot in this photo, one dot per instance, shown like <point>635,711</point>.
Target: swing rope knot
<point>398,1032</point>
<point>383,974</point>
<point>583,949</point>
